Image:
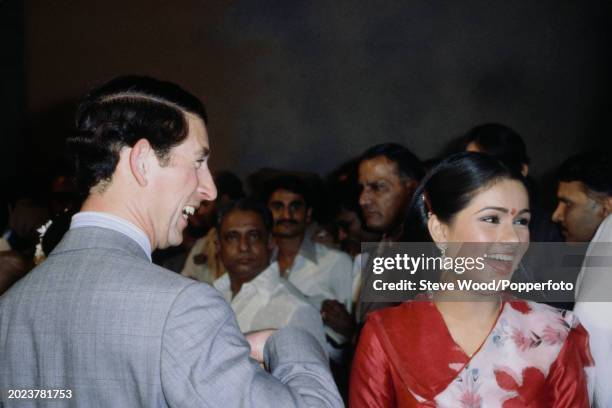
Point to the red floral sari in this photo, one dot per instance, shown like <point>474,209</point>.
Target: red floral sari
<point>535,356</point>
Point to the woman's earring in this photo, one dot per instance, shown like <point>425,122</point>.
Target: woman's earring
<point>442,251</point>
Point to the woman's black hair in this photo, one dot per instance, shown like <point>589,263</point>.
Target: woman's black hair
<point>449,187</point>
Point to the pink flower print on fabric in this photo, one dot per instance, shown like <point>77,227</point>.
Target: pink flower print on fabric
<point>525,342</point>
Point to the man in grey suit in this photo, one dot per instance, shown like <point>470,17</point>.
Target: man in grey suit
<point>98,325</point>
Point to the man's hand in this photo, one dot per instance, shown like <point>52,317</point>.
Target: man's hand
<point>335,315</point>
<point>257,340</point>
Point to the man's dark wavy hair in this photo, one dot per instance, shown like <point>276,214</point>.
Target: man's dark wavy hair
<point>408,164</point>
<point>593,168</point>
<point>245,204</point>
<point>291,183</point>
<point>121,112</point>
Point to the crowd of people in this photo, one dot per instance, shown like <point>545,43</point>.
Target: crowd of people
<point>148,280</point>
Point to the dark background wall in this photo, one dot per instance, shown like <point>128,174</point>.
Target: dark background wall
<point>12,91</point>
<point>304,85</point>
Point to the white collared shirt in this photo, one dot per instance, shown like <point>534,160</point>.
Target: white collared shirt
<point>321,273</point>
<point>199,272</point>
<point>4,245</point>
<point>109,221</point>
<point>595,283</point>
<point>269,302</point>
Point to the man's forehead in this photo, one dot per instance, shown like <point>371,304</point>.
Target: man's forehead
<point>571,189</point>
<point>285,196</point>
<point>238,220</point>
<point>198,136</point>
<point>378,167</point>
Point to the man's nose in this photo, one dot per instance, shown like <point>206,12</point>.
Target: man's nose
<point>206,185</point>
<point>558,214</point>
<point>287,212</point>
<point>364,199</point>
<point>245,245</point>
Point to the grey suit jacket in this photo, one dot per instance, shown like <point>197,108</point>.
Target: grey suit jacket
<point>99,319</point>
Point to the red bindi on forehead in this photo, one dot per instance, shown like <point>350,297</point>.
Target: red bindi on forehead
<point>513,211</point>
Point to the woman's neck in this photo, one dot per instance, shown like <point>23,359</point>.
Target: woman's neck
<point>467,307</point>
<point>468,321</point>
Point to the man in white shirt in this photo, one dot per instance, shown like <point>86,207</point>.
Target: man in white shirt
<point>321,273</point>
<point>257,294</point>
<point>585,214</point>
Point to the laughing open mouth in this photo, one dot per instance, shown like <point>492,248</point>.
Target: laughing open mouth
<point>188,210</point>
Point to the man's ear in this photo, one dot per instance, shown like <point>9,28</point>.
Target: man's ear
<point>140,161</point>
<point>524,169</point>
<point>437,229</point>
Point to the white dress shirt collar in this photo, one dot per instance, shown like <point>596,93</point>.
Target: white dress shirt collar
<point>112,222</point>
<point>307,250</point>
<point>263,284</point>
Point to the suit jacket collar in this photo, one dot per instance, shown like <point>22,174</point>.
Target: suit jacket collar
<point>98,238</point>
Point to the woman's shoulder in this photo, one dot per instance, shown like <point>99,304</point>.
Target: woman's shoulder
<point>539,327</point>
<point>541,313</point>
<point>540,336</point>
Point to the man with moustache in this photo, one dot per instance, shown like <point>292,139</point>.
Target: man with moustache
<point>321,273</point>
<point>97,324</point>
<point>260,298</point>
<point>584,213</point>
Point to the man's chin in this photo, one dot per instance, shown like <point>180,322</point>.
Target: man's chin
<point>376,227</point>
<point>173,241</point>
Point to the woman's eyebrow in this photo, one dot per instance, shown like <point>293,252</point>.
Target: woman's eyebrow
<point>501,209</point>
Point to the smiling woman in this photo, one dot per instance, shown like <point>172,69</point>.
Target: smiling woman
<point>471,349</point>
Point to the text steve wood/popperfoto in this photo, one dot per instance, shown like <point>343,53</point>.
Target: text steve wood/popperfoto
<point>499,285</point>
